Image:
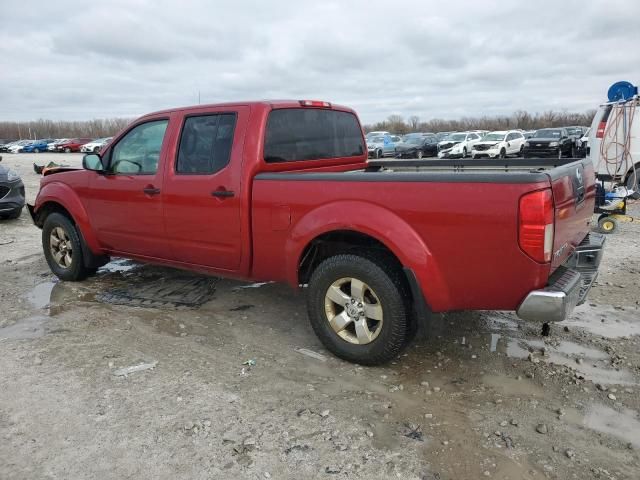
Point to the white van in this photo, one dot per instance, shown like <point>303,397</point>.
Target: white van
<point>616,155</point>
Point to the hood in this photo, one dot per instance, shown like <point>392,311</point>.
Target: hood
<point>489,143</point>
<point>61,169</point>
<point>542,139</point>
<point>448,143</point>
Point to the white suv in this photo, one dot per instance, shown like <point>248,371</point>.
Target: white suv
<point>457,145</point>
<point>499,144</point>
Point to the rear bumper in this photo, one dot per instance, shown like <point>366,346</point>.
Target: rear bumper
<point>568,286</point>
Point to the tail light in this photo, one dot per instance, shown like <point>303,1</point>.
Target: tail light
<point>535,232</point>
<point>315,103</point>
<point>601,128</point>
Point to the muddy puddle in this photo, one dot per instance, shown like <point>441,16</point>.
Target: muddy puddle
<point>606,321</point>
<point>25,329</point>
<point>624,424</point>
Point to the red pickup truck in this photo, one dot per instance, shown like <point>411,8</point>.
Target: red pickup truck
<point>283,191</point>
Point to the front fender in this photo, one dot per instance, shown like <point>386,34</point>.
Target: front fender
<point>379,223</point>
<point>65,196</point>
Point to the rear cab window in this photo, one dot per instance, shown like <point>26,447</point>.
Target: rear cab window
<point>205,144</point>
<point>298,134</point>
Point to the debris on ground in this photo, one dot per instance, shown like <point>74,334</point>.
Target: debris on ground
<point>123,372</point>
<point>252,285</point>
<point>414,432</point>
<point>311,353</point>
<point>251,362</point>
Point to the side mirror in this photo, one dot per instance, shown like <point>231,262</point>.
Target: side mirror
<point>92,161</point>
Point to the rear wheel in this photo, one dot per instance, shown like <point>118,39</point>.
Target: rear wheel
<point>63,248</point>
<point>358,308</point>
<point>67,150</point>
<point>633,183</point>
<point>607,224</point>
<point>464,152</point>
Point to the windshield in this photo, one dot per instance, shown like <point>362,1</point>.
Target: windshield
<point>415,140</point>
<point>376,139</point>
<point>547,133</point>
<point>455,137</point>
<point>493,137</point>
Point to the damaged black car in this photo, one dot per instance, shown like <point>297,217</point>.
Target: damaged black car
<point>11,193</point>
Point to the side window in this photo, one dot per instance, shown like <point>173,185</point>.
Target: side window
<point>138,152</point>
<point>205,144</point>
<point>295,134</point>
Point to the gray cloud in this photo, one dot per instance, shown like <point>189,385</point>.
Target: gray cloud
<point>77,60</point>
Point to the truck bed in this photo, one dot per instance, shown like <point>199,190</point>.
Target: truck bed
<point>462,213</point>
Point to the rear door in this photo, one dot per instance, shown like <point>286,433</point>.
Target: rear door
<point>202,189</point>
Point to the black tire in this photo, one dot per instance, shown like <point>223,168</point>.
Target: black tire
<point>464,152</point>
<point>378,153</point>
<point>572,152</point>
<point>503,153</point>
<point>67,150</point>
<point>77,270</point>
<point>607,224</point>
<point>521,153</point>
<point>560,153</point>
<point>36,150</point>
<point>389,286</point>
<point>635,187</point>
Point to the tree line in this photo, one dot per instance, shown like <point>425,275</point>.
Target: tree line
<point>107,127</point>
<point>520,119</point>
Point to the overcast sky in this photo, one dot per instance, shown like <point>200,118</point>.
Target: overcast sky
<point>81,60</point>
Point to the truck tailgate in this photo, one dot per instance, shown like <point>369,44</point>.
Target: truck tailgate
<point>573,186</point>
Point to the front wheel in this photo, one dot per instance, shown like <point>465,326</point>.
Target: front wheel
<point>63,248</point>
<point>607,224</point>
<point>503,153</point>
<point>358,308</point>
<point>36,150</point>
<point>378,153</point>
<point>67,150</point>
<point>521,152</point>
<point>464,152</point>
<point>420,154</point>
<point>559,153</point>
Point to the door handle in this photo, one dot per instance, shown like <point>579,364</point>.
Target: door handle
<point>223,193</point>
<point>150,190</point>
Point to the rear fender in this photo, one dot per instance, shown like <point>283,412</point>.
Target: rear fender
<point>379,223</point>
<point>64,196</point>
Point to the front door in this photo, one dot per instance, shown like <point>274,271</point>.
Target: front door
<point>203,191</point>
<point>125,203</point>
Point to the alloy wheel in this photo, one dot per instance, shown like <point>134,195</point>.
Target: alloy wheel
<point>61,247</point>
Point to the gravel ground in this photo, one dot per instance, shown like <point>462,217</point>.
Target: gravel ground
<point>232,395</point>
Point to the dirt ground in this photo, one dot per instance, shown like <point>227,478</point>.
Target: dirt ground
<point>232,394</point>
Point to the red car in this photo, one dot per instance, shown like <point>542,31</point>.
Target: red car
<point>283,191</point>
<point>72,145</point>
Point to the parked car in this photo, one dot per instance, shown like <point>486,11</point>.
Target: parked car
<point>289,196</point>
<point>381,133</point>
<point>37,146</point>
<point>51,147</point>
<point>529,133</point>
<point>549,142</point>
<point>442,135</point>
<point>95,146</point>
<point>72,145</point>
<point>576,133</point>
<point>582,145</point>
<point>382,146</point>
<point>17,147</point>
<point>4,146</point>
<point>499,144</point>
<point>11,193</point>
<point>417,146</point>
<point>458,145</point>
<point>616,156</point>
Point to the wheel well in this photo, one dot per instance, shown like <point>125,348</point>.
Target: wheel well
<point>337,242</point>
<point>49,208</point>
